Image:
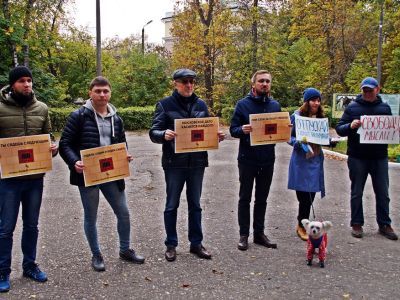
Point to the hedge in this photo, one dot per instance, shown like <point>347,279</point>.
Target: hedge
<point>135,118</point>
<point>227,113</point>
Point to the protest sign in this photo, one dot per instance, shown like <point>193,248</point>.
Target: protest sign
<point>105,164</point>
<point>196,134</point>
<point>25,155</point>
<point>379,129</point>
<point>315,130</point>
<point>269,128</point>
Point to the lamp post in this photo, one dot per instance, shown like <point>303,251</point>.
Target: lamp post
<point>143,35</point>
<point>98,39</point>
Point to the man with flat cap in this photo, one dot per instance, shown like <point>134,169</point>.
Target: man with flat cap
<point>21,114</point>
<point>181,168</point>
<point>364,159</point>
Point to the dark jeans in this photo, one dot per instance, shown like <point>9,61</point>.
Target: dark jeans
<point>175,179</point>
<point>14,192</point>
<point>359,170</point>
<point>305,200</point>
<point>263,178</point>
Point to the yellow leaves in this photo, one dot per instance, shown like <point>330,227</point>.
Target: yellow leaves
<point>8,31</point>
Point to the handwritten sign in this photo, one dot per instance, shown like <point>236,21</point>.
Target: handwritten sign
<point>105,164</point>
<point>196,134</point>
<point>26,155</point>
<point>315,130</point>
<point>269,128</point>
<point>379,129</point>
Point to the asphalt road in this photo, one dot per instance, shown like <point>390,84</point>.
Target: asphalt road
<point>355,269</point>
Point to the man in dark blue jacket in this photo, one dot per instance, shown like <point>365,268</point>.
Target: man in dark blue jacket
<point>93,125</point>
<point>256,163</point>
<point>364,159</point>
<point>181,168</point>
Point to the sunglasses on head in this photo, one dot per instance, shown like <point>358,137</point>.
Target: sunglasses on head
<point>186,80</point>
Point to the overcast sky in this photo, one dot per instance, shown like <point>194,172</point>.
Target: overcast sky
<point>124,17</point>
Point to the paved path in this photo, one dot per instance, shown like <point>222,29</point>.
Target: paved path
<point>367,268</point>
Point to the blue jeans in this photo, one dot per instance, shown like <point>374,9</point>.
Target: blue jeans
<point>262,176</point>
<point>359,170</point>
<point>175,179</point>
<point>117,200</point>
<point>14,192</point>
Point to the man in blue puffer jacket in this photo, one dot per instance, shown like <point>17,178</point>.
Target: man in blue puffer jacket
<point>93,125</point>
<point>364,159</point>
<point>256,163</point>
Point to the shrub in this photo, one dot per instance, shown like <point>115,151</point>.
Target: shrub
<point>134,118</point>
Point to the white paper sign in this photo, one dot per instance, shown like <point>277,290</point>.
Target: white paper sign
<point>315,130</point>
<point>379,129</point>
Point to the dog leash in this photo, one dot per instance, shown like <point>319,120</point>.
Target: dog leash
<point>312,206</point>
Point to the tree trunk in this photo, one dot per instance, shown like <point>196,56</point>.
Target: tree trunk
<point>254,33</point>
<point>27,21</point>
<point>208,66</point>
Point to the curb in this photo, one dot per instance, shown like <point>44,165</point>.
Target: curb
<point>344,157</point>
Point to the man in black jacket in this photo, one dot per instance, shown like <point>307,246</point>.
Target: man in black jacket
<point>93,125</point>
<point>255,163</point>
<point>364,159</point>
<point>181,168</point>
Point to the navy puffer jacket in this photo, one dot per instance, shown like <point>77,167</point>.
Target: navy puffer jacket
<point>262,155</point>
<point>167,110</point>
<point>355,110</point>
<point>81,132</point>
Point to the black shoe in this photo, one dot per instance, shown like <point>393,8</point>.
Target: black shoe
<point>243,243</point>
<point>131,256</point>
<point>33,272</point>
<point>388,232</point>
<point>170,253</point>
<point>357,231</point>
<point>262,239</point>
<point>98,263</point>
<point>200,251</point>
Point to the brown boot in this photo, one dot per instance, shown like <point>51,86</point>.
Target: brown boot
<point>301,232</point>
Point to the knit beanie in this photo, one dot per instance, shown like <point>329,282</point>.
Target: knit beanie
<point>17,73</point>
<point>311,93</point>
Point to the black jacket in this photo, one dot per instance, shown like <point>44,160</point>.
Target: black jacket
<point>355,110</point>
<point>167,110</point>
<point>262,155</point>
<point>81,132</point>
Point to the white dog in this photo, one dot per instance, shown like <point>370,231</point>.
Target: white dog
<point>317,239</point>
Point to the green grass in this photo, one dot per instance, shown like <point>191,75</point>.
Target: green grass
<point>393,151</point>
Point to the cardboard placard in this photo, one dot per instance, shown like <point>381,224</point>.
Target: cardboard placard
<point>25,155</point>
<point>105,164</point>
<point>196,134</point>
<point>269,128</point>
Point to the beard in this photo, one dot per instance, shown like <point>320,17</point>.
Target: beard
<point>21,99</point>
<point>261,92</point>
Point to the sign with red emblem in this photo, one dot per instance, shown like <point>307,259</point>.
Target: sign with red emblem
<point>105,164</point>
<point>196,134</point>
<point>25,155</point>
<point>269,128</point>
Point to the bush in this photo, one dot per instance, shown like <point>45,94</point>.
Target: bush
<point>226,115</point>
<point>134,118</point>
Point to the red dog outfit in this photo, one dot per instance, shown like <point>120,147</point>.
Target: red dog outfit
<point>320,244</point>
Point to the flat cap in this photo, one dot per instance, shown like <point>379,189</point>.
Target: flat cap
<point>181,73</point>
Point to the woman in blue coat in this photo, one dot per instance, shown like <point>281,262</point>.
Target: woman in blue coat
<point>306,168</point>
